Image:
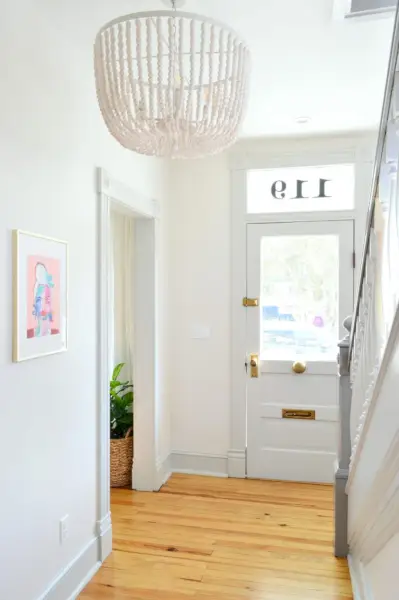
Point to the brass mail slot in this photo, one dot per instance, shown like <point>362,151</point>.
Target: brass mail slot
<point>293,413</point>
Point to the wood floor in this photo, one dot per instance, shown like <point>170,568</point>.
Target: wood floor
<point>203,538</point>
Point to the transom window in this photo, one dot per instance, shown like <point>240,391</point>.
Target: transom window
<point>297,189</point>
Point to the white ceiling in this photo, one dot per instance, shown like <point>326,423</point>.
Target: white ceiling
<point>304,63</point>
<point>307,64</point>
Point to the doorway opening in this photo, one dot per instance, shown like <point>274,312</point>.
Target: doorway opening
<point>122,227</point>
<point>128,330</point>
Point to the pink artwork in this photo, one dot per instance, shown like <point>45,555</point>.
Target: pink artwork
<point>43,296</point>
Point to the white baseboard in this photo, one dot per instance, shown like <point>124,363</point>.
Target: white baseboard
<point>85,581</point>
<point>194,463</point>
<point>104,533</point>
<point>236,464</point>
<point>163,471</point>
<point>361,588</point>
<point>70,582</point>
<point>144,478</point>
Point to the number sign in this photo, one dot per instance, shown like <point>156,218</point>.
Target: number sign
<point>296,189</point>
<point>279,189</point>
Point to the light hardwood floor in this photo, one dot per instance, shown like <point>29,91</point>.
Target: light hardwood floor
<point>203,538</point>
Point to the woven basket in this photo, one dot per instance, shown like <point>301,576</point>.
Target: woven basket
<point>121,461</point>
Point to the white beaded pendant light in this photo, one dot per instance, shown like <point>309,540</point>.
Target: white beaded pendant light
<point>171,83</point>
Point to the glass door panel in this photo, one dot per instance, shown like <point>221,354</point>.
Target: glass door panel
<point>299,297</point>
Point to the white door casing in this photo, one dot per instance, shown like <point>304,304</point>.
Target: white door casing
<point>146,214</point>
<point>286,449</point>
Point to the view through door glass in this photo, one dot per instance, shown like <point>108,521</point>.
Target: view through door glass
<point>299,297</point>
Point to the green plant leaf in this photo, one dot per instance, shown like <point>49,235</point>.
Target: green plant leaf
<point>121,404</point>
<point>115,395</point>
<point>114,384</point>
<point>117,370</point>
<point>128,398</point>
<point>126,420</point>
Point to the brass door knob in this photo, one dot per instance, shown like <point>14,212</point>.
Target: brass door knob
<point>299,367</point>
<point>254,364</point>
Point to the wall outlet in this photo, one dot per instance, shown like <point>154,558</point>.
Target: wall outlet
<point>64,528</point>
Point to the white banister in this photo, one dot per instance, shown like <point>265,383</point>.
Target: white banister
<point>378,288</point>
<point>366,358</point>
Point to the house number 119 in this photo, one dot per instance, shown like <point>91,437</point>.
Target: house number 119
<point>279,188</point>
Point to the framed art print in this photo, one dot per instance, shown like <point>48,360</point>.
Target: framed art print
<point>40,278</point>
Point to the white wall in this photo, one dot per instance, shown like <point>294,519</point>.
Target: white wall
<point>51,140</point>
<point>200,295</point>
<point>383,572</point>
<point>200,285</point>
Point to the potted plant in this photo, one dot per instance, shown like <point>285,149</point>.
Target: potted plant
<point>121,429</point>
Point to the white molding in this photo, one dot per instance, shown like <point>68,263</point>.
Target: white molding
<point>367,353</point>
<point>146,210</point>
<point>360,585</point>
<point>163,470</point>
<point>85,581</point>
<point>306,466</point>
<point>237,463</point>
<point>195,463</point>
<point>104,367</point>
<point>145,356</point>
<point>104,533</point>
<point>378,519</point>
<point>238,410</point>
<point>357,587</point>
<point>304,216</point>
<point>284,367</point>
<point>373,398</point>
<point>302,151</point>
<point>125,198</point>
<point>76,575</point>
<point>103,525</point>
<point>263,160</point>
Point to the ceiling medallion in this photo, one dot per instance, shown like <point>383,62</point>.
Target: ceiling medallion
<point>171,83</point>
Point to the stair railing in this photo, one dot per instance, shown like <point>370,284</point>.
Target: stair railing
<point>362,354</point>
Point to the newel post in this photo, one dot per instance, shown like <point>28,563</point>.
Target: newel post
<point>344,446</point>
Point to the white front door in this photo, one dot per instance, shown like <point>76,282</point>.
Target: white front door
<point>302,277</point>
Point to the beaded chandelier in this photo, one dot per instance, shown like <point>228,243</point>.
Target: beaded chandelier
<point>171,83</point>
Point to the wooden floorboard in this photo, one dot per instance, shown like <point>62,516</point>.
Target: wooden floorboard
<point>203,538</point>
